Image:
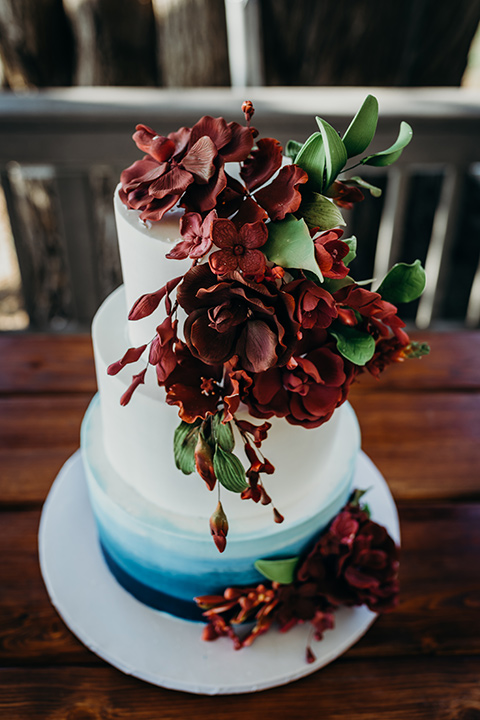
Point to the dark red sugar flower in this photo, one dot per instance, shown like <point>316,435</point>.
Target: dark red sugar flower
<point>187,160</point>
<point>193,386</point>
<point>387,351</point>
<point>381,316</point>
<point>196,236</point>
<point>282,195</point>
<point>354,563</point>
<point>233,143</point>
<point>264,161</point>
<point>315,307</point>
<point>329,253</point>
<point>253,321</point>
<point>239,249</point>
<point>306,394</point>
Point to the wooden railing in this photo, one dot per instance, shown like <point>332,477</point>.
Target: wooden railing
<point>61,153</point>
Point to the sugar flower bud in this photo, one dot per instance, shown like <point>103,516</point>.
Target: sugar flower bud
<point>219,527</point>
<point>204,461</point>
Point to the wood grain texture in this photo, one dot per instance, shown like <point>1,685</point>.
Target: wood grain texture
<point>407,44</point>
<point>422,688</point>
<point>33,364</point>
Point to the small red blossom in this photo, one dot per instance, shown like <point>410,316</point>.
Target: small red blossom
<point>258,432</point>
<point>186,386</point>
<point>196,236</point>
<point>387,351</point>
<point>239,249</point>
<point>380,315</point>
<point>329,254</point>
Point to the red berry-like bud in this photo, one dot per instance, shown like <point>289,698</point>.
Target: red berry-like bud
<point>219,527</point>
<point>248,110</point>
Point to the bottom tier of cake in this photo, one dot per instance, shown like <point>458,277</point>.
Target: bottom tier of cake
<point>167,559</point>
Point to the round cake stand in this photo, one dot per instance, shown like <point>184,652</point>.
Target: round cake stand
<point>162,649</point>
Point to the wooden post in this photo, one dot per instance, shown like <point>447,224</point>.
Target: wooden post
<point>192,43</point>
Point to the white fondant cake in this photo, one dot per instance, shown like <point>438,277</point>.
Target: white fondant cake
<point>152,519</point>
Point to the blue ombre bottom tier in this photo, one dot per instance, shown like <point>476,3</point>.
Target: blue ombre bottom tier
<point>167,559</point>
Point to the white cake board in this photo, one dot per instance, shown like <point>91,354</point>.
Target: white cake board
<point>162,649</point>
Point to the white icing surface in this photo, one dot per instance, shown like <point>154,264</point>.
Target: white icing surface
<point>139,438</point>
<point>144,265</point>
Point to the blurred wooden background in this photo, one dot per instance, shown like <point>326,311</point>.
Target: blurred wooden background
<point>183,43</point>
<point>61,152</point>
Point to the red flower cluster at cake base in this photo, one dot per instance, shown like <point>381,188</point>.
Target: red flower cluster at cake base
<point>354,562</point>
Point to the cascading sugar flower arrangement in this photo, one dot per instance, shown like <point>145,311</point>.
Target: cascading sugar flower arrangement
<point>274,320</point>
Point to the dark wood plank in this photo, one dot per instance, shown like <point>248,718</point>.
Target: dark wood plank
<point>418,689</point>
<point>43,363</point>
<point>26,474</point>
<point>452,364</point>
<point>438,613</point>
<point>41,421</point>
<point>426,445</point>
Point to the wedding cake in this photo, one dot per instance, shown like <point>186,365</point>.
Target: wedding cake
<point>245,332</point>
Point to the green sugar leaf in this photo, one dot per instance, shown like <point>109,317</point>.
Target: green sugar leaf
<point>360,182</point>
<point>281,571</point>
<point>388,156</point>
<point>292,148</point>
<point>223,433</point>
<point>311,158</point>
<point>361,130</point>
<point>403,283</point>
<point>354,345</point>
<point>352,244</point>
<point>289,245</point>
<point>184,442</point>
<point>318,211</point>
<point>229,470</point>
<point>335,152</point>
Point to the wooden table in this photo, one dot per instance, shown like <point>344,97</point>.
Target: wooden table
<point>421,426</point>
